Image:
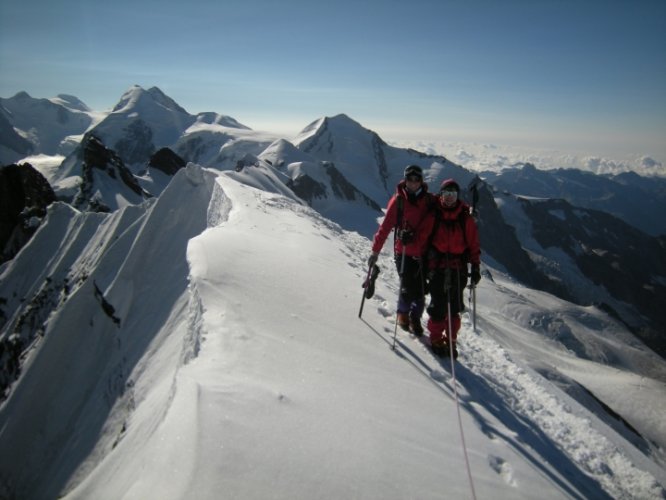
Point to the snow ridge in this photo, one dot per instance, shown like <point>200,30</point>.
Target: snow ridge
<point>219,209</point>
<point>574,434</point>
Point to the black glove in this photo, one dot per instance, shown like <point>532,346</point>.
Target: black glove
<point>406,236</point>
<point>372,260</point>
<point>476,274</point>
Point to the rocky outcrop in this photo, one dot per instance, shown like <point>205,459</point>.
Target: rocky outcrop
<point>24,196</point>
<point>15,146</point>
<point>500,241</point>
<point>336,187</point>
<point>166,161</point>
<point>136,145</point>
<point>628,263</point>
<point>96,156</point>
<point>639,201</point>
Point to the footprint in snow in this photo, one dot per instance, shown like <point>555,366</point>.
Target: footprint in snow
<point>503,468</point>
<point>385,312</point>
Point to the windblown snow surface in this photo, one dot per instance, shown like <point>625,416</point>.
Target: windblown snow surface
<point>235,366</point>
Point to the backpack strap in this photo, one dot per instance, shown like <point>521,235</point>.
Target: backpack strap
<point>431,237</point>
<point>398,221</point>
<point>462,220</point>
<point>400,201</point>
<point>435,226</point>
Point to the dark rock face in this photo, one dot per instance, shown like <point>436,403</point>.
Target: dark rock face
<point>627,262</point>
<point>24,196</point>
<point>309,189</point>
<point>25,329</point>
<point>13,141</point>
<point>97,156</point>
<point>166,161</point>
<point>613,255</point>
<point>639,201</point>
<point>136,146</point>
<point>343,189</point>
<point>499,240</point>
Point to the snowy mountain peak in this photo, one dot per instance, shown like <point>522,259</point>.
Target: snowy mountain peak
<point>70,102</point>
<point>212,118</point>
<point>45,124</point>
<point>142,122</point>
<point>23,103</point>
<point>328,128</point>
<point>21,95</point>
<point>136,98</point>
<point>282,153</point>
<point>340,139</point>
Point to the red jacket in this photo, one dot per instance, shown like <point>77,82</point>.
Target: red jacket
<point>449,242</point>
<point>414,212</point>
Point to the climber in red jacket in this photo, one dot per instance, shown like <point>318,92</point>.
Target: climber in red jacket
<point>405,213</point>
<point>451,239</point>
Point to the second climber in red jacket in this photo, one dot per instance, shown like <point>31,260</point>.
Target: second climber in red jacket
<point>451,239</point>
<point>406,211</point>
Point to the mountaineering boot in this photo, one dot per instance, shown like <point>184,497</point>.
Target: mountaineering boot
<point>440,348</point>
<point>443,349</point>
<point>403,321</point>
<point>415,327</point>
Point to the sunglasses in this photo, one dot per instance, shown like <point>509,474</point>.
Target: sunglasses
<point>449,192</point>
<point>413,178</point>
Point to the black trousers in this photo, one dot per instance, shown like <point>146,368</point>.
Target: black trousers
<point>440,293</point>
<point>413,279</point>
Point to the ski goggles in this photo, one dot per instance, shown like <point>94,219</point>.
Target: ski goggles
<point>450,194</point>
<point>414,178</point>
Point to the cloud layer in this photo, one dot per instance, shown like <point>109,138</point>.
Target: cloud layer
<point>479,157</point>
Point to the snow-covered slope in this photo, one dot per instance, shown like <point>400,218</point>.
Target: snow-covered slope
<point>323,187</point>
<point>206,344</point>
<point>366,161</point>
<point>220,141</point>
<point>50,126</point>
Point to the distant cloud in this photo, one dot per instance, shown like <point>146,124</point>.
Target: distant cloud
<point>643,165</point>
<point>479,157</point>
<point>601,166</point>
<point>650,163</point>
<point>464,157</point>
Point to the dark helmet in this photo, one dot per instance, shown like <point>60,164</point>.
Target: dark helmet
<point>413,170</point>
<point>449,183</point>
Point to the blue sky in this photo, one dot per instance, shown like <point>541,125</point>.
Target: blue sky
<point>585,76</point>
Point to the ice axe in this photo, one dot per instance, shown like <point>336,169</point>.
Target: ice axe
<point>369,285</point>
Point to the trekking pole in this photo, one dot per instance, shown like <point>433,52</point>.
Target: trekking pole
<point>367,282</point>
<point>472,300</point>
<point>402,272</point>
<point>448,288</point>
<point>447,291</point>
<point>473,292</point>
